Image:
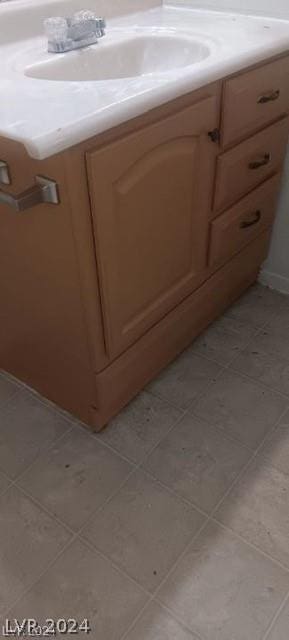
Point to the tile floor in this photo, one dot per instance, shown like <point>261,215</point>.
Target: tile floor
<point>173,523</point>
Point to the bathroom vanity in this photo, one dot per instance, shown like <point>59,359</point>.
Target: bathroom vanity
<point>163,220</point>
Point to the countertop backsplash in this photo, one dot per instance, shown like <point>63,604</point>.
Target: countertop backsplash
<point>274,8</point>
<point>24,18</point>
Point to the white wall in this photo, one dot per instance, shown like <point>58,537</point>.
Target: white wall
<point>275,272</point>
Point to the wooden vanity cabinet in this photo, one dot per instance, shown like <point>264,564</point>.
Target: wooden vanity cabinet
<point>160,227</point>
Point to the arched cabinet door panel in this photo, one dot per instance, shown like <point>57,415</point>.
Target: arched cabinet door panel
<point>151,193</point>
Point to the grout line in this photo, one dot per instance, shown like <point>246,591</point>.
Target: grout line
<point>247,542</point>
<point>227,436</point>
<point>136,467</point>
<point>3,491</point>
<point>208,386</point>
<point>5,613</point>
<point>226,365</point>
<point>265,386</point>
<point>112,449</point>
<point>236,356</point>
<point>101,506</point>
<point>276,616</point>
<point>74,536</point>
<point>136,619</point>
<point>139,463</point>
<point>43,508</point>
<point>45,451</point>
<point>179,558</point>
<point>271,432</point>
<point>157,395</point>
<point>245,468</point>
<point>75,532</point>
<point>112,562</point>
<point>229,367</point>
<point>179,619</point>
<point>173,615</point>
<point>156,444</point>
<point>185,501</point>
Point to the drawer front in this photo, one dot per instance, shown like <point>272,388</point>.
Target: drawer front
<point>254,99</point>
<point>241,169</point>
<point>235,228</point>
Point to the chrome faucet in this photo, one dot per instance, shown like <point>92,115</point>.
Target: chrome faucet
<point>67,34</point>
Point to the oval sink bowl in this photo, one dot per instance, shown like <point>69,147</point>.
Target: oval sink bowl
<point>137,56</point>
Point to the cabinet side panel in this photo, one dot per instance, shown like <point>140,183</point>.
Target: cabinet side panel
<point>43,338</point>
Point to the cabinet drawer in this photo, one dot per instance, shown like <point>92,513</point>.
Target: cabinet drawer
<point>235,228</point>
<point>254,99</point>
<point>250,163</point>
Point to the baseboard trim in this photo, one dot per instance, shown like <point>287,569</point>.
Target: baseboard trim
<point>274,281</point>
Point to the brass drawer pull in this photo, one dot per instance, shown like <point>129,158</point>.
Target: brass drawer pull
<point>44,190</point>
<point>249,223</point>
<point>257,164</point>
<point>269,97</point>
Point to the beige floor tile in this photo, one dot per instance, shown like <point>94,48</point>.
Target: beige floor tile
<point>75,477</point>
<point>197,462</point>
<point>223,589</point>
<point>7,389</point>
<point>183,380</point>
<point>143,529</point>
<point>81,584</point>
<point>241,407</point>
<point>258,509</point>
<point>139,426</point>
<point>27,428</point>
<point>29,540</point>
<point>257,306</point>
<point>224,339</point>
<point>156,623</point>
<point>280,630</point>
<point>273,339</point>
<point>276,448</point>
<point>266,368</point>
<point>4,483</point>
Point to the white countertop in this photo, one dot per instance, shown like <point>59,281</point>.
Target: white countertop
<point>50,116</point>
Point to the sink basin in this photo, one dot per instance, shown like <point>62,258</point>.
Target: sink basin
<point>138,55</point>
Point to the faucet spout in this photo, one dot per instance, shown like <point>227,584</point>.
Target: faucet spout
<point>68,34</point>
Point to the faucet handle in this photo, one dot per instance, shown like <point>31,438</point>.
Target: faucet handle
<point>82,16</point>
<point>56,29</point>
<point>85,15</point>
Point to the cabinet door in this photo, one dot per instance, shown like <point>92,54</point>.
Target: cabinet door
<point>151,194</point>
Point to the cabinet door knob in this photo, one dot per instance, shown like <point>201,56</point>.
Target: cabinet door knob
<point>257,164</point>
<point>249,223</point>
<point>44,191</point>
<point>4,173</point>
<point>269,97</point>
